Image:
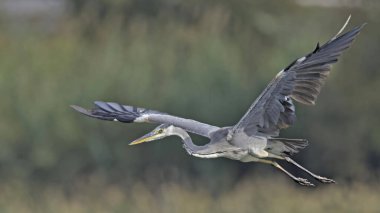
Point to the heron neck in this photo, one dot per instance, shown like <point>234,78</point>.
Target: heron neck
<point>188,143</point>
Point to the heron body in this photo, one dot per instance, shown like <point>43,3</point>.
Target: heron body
<point>254,138</point>
<point>242,147</point>
<point>220,148</point>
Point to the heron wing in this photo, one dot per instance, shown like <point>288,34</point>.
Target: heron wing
<point>301,81</point>
<point>128,114</point>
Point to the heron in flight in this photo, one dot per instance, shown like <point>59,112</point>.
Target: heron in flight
<point>255,137</point>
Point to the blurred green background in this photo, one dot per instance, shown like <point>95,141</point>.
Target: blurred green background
<point>202,59</point>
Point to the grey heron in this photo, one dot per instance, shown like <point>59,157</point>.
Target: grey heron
<point>255,136</point>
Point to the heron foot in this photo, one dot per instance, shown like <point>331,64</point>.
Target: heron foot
<point>324,179</point>
<point>303,182</point>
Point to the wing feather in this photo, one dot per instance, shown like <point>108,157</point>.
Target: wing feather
<point>301,81</point>
<point>128,114</point>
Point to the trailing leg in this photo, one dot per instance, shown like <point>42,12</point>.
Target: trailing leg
<point>317,177</point>
<point>300,181</point>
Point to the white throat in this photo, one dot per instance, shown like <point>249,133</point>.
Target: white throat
<point>172,130</point>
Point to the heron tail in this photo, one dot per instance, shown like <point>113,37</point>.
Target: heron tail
<point>285,147</point>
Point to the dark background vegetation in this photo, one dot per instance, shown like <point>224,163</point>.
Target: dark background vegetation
<point>202,59</point>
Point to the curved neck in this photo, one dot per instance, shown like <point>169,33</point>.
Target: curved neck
<point>187,142</point>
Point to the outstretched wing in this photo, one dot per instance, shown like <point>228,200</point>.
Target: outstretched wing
<point>301,81</point>
<point>116,112</point>
<point>128,114</point>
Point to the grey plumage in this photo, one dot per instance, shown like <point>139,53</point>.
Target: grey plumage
<point>285,147</point>
<point>301,81</point>
<point>254,137</point>
<point>127,114</point>
<point>115,112</point>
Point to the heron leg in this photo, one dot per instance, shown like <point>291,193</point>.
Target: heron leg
<point>298,180</point>
<point>317,177</point>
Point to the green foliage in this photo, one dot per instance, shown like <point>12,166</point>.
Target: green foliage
<point>205,60</point>
<point>249,195</point>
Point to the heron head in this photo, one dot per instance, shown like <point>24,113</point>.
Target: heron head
<point>159,132</point>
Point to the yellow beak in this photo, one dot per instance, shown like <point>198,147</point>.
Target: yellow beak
<point>146,138</point>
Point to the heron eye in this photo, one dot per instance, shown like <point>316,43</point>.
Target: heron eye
<point>160,131</point>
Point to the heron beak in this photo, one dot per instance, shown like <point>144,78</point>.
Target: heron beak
<point>146,138</point>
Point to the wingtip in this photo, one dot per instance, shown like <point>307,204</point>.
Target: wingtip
<point>343,27</point>
<point>360,27</point>
<point>356,29</point>
<point>80,109</point>
<point>98,102</point>
<point>348,20</point>
<point>75,107</point>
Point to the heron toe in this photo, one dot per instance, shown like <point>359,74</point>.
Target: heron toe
<point>304,182</point>
<point>325,180</point>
